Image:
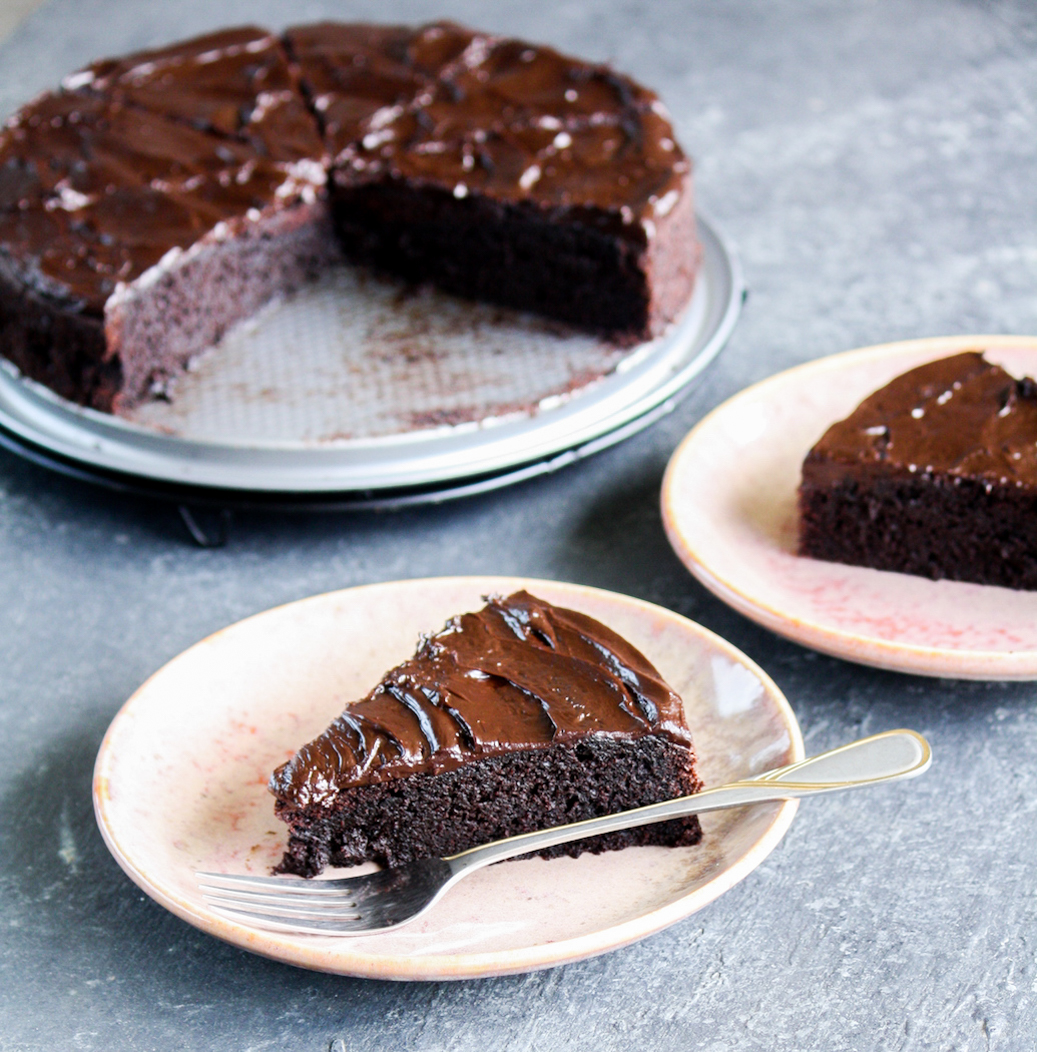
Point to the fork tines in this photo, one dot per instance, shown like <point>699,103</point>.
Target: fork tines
<point>284,904</point>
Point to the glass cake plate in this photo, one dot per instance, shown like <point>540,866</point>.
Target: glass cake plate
<point>363,390</point>
<point>180,781</point>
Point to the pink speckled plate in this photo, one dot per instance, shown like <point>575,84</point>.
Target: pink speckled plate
<point>180,781</point>
<point>729,505</point>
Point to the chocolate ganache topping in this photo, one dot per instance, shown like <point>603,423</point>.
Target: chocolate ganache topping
<point>357,75</point>
<point>237,83</point>
<point>519,674</point>
<point>504,118</point>
<point>960,416</point>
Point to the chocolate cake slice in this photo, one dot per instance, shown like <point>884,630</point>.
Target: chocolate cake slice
<point>935,474</point>
<point>149,204</point>
<point>506,172</point>
<point>515,718</point>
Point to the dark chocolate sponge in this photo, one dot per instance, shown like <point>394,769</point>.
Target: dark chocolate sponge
<point>515,718</point>
<point>935,474</point>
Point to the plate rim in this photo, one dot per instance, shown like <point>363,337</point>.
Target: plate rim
<point>453,965</point>
<point>911,658</point>
<point>434,465</point>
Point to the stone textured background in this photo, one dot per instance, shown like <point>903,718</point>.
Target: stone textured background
<point>875,161</point>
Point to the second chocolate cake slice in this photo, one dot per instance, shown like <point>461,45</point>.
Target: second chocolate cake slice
<point>518,717</point>
<point>935,474</point>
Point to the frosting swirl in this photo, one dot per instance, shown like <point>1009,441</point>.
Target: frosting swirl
<point>518,674</point>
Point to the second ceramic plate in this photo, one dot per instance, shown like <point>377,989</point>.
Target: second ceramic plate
<point>729,505</point>
<point>180,781</point>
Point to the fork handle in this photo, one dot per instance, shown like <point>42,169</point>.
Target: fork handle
<point>883,757</point>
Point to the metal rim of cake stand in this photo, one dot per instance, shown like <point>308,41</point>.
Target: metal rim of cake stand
<point>369,500</point>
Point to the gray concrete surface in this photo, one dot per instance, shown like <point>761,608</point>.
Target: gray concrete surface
<point>875,161</point>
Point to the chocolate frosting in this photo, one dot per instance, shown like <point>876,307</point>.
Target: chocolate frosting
<point>236,83</point>
<point>137,156</point>
<point>514,121</point>
<point>519,674</point>
<point>353,71</point>
<point>960,416</point>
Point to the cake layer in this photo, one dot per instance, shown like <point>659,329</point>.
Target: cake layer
<point>935,474</point>
<point>435,816</point>
<point>522,255</point>
<point>191,297</point>
<point>517,717</point>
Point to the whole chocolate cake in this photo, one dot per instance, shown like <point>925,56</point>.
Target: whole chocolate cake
<point>935,474</point>
<point>519,717</point>
<point>155,200</point>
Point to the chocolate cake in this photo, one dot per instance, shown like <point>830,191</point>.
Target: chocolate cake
<point>157,199</point>
<point>935,474</point>
<point>519,717</point>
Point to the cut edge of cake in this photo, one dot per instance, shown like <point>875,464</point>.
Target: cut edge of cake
<point>934,474</point>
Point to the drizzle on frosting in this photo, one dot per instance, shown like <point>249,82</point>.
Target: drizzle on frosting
<point>960,416</point>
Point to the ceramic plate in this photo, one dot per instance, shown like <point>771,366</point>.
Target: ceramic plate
<point>729,505</point>
<point>180,781</point>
